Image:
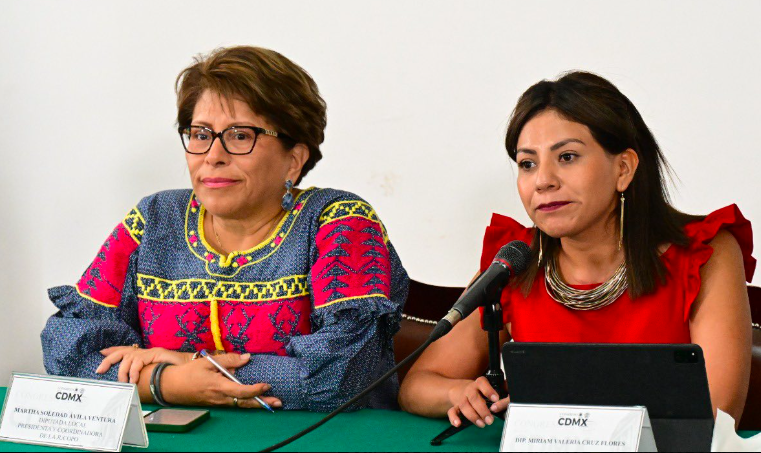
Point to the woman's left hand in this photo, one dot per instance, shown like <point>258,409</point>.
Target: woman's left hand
<point>455,412</point>
<point>500,406</point>
<point>133,360</point>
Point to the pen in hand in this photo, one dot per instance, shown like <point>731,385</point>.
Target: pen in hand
<point>227,374</point>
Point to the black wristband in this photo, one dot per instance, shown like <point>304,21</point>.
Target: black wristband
<point>155,383</point>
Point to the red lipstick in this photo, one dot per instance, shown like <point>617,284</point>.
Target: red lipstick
<point>554,206</point>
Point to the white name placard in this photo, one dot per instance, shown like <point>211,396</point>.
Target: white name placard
<point>534,427</point>
<point>72,413</point>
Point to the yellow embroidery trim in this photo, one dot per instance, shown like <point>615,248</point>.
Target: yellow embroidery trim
<point>229,259</point>
<point>215,331</point>
<point>135,224</point>
<point>351,298</point>
<point>344,209</point>
<point>91,299</point>
<point>197,290</point>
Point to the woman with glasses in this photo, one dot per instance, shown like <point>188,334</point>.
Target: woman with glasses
<point>613,261</point>
<point>301,288</point>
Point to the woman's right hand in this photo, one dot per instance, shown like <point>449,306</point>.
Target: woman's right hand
<point>477,401</point>
<point>199,383</point>
<point>134,359</point>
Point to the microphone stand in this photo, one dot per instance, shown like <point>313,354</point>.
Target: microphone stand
<point>493,325</point>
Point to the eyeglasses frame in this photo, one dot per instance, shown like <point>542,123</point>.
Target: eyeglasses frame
<point>257,131</point>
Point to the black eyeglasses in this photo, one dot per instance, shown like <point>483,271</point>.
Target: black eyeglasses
<point>235,140</point>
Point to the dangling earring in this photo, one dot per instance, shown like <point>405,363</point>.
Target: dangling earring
<point>287,203</point>
<point>541,252</point>
<point>621,227</point>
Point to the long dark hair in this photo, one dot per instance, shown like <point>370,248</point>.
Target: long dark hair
<point>649,220</point>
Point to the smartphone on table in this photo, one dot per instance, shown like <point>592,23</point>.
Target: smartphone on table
<point>174,420</point>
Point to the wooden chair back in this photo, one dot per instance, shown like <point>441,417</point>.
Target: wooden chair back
<point>426,305</point>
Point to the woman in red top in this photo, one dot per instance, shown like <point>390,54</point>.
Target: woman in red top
<point>591,178</point>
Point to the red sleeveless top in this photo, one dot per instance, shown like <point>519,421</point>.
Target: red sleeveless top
<point>660,317</point>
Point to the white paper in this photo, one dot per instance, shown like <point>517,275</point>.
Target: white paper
<point>573,428</point>
<point>726,439</point>
<point>70,413</point>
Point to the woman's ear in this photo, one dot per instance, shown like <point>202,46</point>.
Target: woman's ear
<point>299,156</point>
<point>628,161</point>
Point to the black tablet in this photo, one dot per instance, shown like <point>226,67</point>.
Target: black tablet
<point>670,380</point>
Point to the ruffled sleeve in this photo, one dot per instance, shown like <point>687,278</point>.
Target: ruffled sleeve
<point>701,233</point>
<point>98,312</point>
<point>501,231</point>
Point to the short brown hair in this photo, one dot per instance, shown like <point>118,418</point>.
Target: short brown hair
<point>272,85</point>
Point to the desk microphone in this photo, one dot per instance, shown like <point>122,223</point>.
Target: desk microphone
<point>511,260</point>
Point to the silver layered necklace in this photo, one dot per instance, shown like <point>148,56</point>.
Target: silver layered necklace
<point>584,299</point>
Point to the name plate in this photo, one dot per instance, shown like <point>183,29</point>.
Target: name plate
<point>535,427</point>
<point>72,413</point>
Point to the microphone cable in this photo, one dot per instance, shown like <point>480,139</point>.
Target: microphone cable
<point>511,258</point>
<point>433,337</point>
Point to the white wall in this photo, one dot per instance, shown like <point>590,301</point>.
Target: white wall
<point>418,92</point>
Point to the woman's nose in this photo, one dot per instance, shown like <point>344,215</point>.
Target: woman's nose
<point>546,178</point>
<point>217,154</point>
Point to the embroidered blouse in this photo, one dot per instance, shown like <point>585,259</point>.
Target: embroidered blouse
<point>660,317</point>
<point>317,304</point>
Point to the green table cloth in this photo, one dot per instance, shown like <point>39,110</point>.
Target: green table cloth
<point>367,430</point>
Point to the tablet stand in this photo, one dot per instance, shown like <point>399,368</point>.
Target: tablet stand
<point>493,324</point>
